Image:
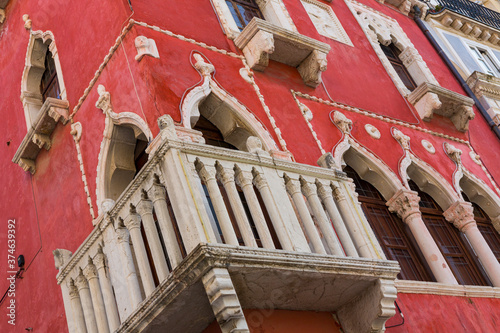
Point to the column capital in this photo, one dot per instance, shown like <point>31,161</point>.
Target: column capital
<point>324,191</point>
<point>100,258</point>
<point>81,281</point>
<point>259,181</point>
<point>307,188</point>
<point>461,214</point>
<point>122,233</point>
<point>291,185</point>
<point>157,192</point>
<point>338,195</point>
<point>242,178</point>
<point>205,173</point>
<point>132,221</point>
<point>73,291</point>
<point>224,175</point>
<point>404,203</point>
<point>90,271</point>
<point>145,207</point>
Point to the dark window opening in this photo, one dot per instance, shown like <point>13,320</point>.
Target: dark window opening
<point>49,85</point>
<point>244,11</point>
<point>393,234</point>
<point>392,53</point>
<point>212,134</point>
<point>140,155</point>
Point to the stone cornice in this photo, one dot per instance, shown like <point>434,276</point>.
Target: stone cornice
<point>466,26</point>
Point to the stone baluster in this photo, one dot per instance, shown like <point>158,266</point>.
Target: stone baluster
<point>293,188</point>
<point>358,237</point>
<point>325,193</point>
<point>461,214</point>
<point>90,273</point>
<point>145,210</point>
<point>405,204</point>
<point>226,176</point>
<point>76,307</point>
<point>86,300</point>
<point>279,225</point>
<point>245,182</point>
<point>107,290</point>
<point>309,190</point>
<point>133,224</point>
<point>208,177</point>
<point>159,195</point>
<point>133,287</point>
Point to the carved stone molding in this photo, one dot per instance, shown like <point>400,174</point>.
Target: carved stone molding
<point>466,26</point>
<point>104,101</point>
<point>454,153</point>
<point>342,122</point>
<point>262,41</point>
<point>372,131</point>
<point>428,146</point>
<point>487,89</point>
<point>404,203</point>
<point>145,46</point>
<point>202,66</point>
<point>404,140</point>
<point>429,98</point>
<point>38,136</point>
<point>461,214</point>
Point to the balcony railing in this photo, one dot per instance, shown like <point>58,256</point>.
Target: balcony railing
<point>190,194</point>
<point>474,11</point>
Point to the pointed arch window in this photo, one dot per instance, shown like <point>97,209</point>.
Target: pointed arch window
<point>49,85</point>
<point>396,241</point>
<point>452,243</point>
<point>392,53</point>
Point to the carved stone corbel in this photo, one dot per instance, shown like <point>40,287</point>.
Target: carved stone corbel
<point>258,49</point>
<point>145,46</point>
<point>312,67</point>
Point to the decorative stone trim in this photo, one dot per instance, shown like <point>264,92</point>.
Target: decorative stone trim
<point>406,6</point>
<point>466,26</point>
<point>261,41</point>
<point>428,146</point>
<point>443,289</point>
<point>429,98</point>
<point>326,22</point>
<point>487,89</point>
<point>145,46</point>
<point>372,131</point>
<point>38,136</point>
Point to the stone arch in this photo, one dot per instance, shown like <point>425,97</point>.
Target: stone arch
<point>232,118</point>
<point>373,170</point>
<point>432,182</point>
<point>34,68</point>
<point>116,167</point>
<point>478,192</point>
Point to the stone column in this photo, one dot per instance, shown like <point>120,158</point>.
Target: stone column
<point>220,209</point>
<point>133,224</point>
<point>357,235</point>
<point>309,190</point>
<point>224,301</point>
<point>226,177</point>
<point>133,287</point>
<point>159,195</point>
<point>245,182</point>
<point>76,307</point>
<point>325,193</point>
<point>405,204</point>
<point>461,214</point>
<point>293,188</point>
<point>107,291</point>
<point>145,210</point>
<point>86,300</point>
<point>90,273</point>
<point>278,223</point>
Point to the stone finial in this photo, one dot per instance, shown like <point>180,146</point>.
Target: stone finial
<point>453,153</point>
<point>202,66</point>
<point>61,257</point>
<point>145,46</point>
<point>461,214</point>
<point>254,144</point>
<point>342,122</point>
<point>27,22</point>
<point>404,140</point>
<point>167,127</point>
<point>76,131</point>
<point>104,100</point>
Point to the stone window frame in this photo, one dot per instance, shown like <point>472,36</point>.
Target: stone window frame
<point>274,11</point>
<point>341,35</point>
<point>33,70</point>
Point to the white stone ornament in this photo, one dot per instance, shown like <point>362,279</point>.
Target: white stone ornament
<point>104,101</point>
<point>428,146</point>
<point>2,15</point>
<point>27,22</point>
<point>145,46</point>
<point>246,75</point>
<point>202,66</point>
<point>76,131</point>
<point>372,131</point>
<point>475,157</point>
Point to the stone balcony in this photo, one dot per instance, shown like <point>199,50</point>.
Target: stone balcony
<point>487,89</point>
<point>222,231</point>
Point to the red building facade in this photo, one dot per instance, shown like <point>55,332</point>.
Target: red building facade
<point>166,155</point>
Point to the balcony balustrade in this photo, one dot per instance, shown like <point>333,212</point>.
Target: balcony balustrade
<point>213,231</point>
<point>474,11</point>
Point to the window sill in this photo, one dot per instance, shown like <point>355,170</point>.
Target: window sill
<point>38,136</point>
<point>435,288</point>
<point>262,41</point>
<point>430,99</point>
